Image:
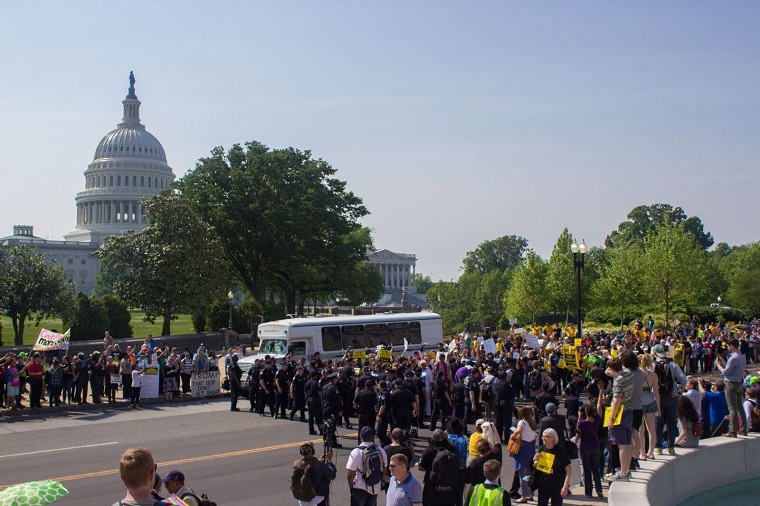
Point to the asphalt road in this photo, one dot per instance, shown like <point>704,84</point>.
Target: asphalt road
<point>237,458</point>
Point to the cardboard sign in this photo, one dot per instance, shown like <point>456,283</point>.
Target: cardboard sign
<point>531,341</point>
<point>490,345</point>
<point>361,355</point>
<point>384,356</point>
<point>570,355</point>
<point>608,414</point>
<point>205,384</point>
<point>513,321</point>
<point>453,345</point>
<point>545,462</point>
<point>48,341</point>
<point>149,380</point>
<point>679,355</point>
<point>115,379</point>
<point>578,342</point>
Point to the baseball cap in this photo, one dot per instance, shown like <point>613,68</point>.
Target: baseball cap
<point>366,432</point>
<point>480,421</point>
<point>174,476</point>
<point>659,350</point>
<point>753,380</point>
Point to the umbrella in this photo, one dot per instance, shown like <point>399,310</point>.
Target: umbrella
<point>32,493</point>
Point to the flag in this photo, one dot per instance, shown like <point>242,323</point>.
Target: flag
<point>173,499</point>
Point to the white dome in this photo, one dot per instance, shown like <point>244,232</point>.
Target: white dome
<point>130,141</point>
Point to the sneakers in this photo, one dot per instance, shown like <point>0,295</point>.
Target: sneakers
<point>620,477</point>
<point>671,451</point>
<point>658,451</point>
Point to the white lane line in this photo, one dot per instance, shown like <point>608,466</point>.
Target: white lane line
<point>58,450</point>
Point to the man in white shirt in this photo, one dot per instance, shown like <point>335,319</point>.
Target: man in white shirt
<point>694,395</point>
<point>363,494</point>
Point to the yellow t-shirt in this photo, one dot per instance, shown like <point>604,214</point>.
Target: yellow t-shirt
<point>474,440</point>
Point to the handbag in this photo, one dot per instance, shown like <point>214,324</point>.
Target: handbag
<point>514,444</point>
<point>697,429</point>
<point>537,479</point>
<point>572,449</point>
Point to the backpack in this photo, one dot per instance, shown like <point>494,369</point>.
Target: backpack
<point>534,380</point>
<point>754,418</point>
<point>445,470</point>
<point>372,463</point>
<point>486,393</point>
<point>203,500</point>
<point>300,482</point>
<point>665,378</point>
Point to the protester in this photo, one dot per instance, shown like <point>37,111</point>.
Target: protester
<point>365,469</point>
<point>589,424</point>
<point>621,433</point>
<point>440,490</point>
<point>555,485</point>
<point>733,371</point>
<point>174,481</point>
<point>526,431</point>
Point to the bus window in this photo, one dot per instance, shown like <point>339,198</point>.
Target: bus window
<point>397,333</point>
<point>377,334</point>
<point>298,348</point>
<point>415,334</point>
<point>331,339</point>
<point>353,336</point>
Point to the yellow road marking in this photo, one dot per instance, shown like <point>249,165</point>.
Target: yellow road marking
<point>187,460</point>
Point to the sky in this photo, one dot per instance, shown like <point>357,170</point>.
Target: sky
<point>455,122</point>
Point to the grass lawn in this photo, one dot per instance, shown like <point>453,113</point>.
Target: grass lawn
<point>182,325</point>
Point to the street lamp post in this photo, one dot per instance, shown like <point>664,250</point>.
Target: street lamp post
<point>230,296</point>
<point>579,257</point>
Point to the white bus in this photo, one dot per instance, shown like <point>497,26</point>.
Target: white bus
<point>331,336</point>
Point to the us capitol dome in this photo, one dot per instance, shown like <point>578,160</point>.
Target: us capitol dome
<point>129,165</point>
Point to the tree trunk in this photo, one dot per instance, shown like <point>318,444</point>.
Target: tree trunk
<point>290,302</point>
<point>166,329</point>
<point>667,306</point>
<point>18,329</point>
<point>567,311</point>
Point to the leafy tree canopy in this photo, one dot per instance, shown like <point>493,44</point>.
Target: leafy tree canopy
<point>283,220</point>
<point>31,289</point>
<point>174,265</point>
<point>643,221</point>
<point>499,254</point>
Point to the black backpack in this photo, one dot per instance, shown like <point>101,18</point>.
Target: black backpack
<point>203,500</point>
<point>534,380</point>
<point>445,471</point>
<point>665,378</point>
<point>300,482</point>
<point>372,463</point>
<point>486,393</point>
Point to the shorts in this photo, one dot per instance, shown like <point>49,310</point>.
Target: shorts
<point>650,408</point>
<point>638,417</point>
<point>12,391</point>
<point>621,434</point>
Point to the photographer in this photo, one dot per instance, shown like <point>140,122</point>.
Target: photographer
<point>321,472</point>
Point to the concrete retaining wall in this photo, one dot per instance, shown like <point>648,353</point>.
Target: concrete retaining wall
<point>668,481</point>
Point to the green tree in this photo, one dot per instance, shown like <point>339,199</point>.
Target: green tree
<point>364,284</point>
<point>527,293</point>
<point>489,297</point>
<point>422,282</point>
<point>644,221</point>
<point>499,254</point>
<point>620,285</point>
<point>675,267</point>
<point>118,317</point>
<point>283,219</point>
<point>174,265</point>
<point>31,289</point>
<point>90,319</point>
<point>744,289</point>
<point>562,282</point>
<point>444,299</point>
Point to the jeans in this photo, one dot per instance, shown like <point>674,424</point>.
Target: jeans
<point>524,474</point>
<point>668,408</point>
<point>362,498</point>
<point>590,462</point>
<point>737,416</point>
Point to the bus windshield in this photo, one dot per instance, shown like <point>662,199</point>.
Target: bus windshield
<point>273,347</point>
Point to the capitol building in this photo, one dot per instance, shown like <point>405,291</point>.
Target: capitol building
<point>129,165</point>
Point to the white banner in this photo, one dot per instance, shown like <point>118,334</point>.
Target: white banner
<point>48,340</point>
<point>531,341</point>
<point>149,389</point>
<point>205,384</point>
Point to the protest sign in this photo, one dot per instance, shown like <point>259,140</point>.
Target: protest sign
<point>48,341</point>
<point>490,345</point>
<point>361,355</point>
<point>679,355</point>
<point>578,342</point>
<point>570,354</point>
<point>205,384</point>
<point>453,345</point>
<point>608,415</point>
<point>532,341</point>
<point>384,356</point>
<point>545,462</point>
<point>149,388</point>
<point>513,321</point>
<point>116,379</point>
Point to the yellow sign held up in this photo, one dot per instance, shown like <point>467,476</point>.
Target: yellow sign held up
<point>384,356</point>
<point>578,342</point>
<point>572,360</point>
<point>545,462</point>
<point>608,415</point>
<point>361,355</point>
<point>679,355</point>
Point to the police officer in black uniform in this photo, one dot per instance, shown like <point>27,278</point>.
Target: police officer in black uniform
<point>366,405</point>
<point>383,414</point>
<point>314,401</point>
<point>297,392</point>
<point>503,404</point>
<point>254,375</point>
<point>332,407</point>
<point>266,388</point>
<point>403,406</point>
<point>282,390</point>
<point>346,392</point>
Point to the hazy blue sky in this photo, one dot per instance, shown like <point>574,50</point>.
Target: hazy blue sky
<point>456,122</point>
